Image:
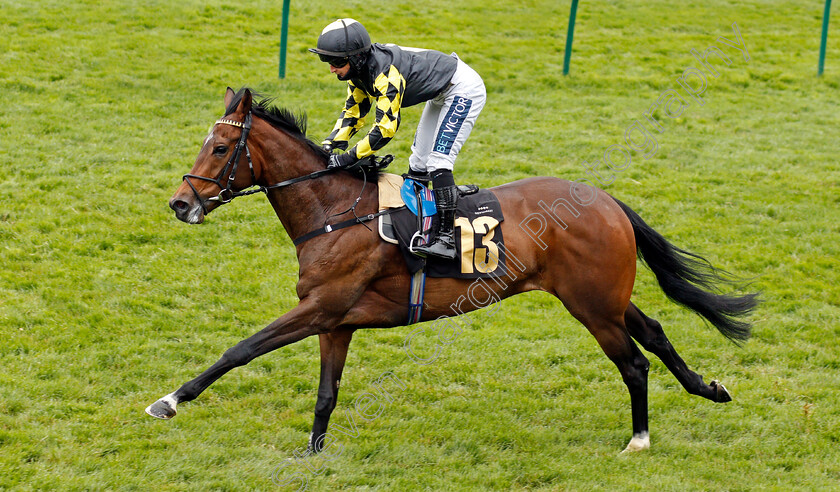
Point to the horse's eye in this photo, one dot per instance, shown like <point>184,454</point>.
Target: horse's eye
<point>220,150</point>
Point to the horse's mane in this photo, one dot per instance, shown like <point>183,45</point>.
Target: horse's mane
<point>295,125</point>
<point>285,119</point>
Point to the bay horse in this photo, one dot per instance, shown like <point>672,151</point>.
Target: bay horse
<point>351,279</point>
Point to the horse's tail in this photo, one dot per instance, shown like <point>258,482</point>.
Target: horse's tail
<point>690,280</point>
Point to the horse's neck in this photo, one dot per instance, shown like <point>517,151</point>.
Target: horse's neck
<point>305,206</point>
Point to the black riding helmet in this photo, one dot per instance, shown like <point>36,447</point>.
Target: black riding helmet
<point>344,39</point>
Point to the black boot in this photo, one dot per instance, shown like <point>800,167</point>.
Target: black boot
<point>443,243</point>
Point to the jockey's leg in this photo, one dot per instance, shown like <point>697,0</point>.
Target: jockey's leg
<point>461,104</point>
<point>424,138</point>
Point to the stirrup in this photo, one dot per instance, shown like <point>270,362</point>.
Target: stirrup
<point>411,244</point>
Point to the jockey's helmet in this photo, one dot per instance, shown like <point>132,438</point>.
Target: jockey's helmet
<point>341,40</point>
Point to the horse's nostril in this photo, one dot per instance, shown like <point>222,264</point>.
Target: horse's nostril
<point>178,205</point>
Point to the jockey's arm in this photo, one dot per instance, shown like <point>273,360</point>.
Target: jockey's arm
<point>388,93</point>
<point>351,119</point>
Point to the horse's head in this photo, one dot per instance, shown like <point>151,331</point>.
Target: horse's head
<point>223,166</point>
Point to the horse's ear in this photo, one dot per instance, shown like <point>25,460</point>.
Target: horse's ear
<point>245,103</point>
<point>229,96</point>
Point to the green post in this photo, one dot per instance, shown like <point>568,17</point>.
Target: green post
<point>568,55</point>
<point>284,35</point>
<point>824,37</point>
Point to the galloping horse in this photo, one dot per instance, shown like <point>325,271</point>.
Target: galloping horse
<point>350,279</point>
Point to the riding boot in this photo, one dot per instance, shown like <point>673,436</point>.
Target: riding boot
<point>443,244</point>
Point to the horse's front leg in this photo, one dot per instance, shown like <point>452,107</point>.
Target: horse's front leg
<point>333,355</point>
<point>299,323</point>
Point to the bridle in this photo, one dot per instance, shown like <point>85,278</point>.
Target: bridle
<point>227,194</point>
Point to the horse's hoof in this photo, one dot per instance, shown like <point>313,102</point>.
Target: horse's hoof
<point>721,393</point>
<point>640,442</point>
<point>163,408</point>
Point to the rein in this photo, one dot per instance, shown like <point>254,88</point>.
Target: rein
<point>226,195</point>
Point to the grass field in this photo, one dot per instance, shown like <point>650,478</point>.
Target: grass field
<point>107,302</point>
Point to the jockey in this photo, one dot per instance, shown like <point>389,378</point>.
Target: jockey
<point>388,77</point>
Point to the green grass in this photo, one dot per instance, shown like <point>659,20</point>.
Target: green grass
<point>107,302</point>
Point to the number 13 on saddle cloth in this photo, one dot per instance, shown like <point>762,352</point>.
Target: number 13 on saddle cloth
<point>479,241</point>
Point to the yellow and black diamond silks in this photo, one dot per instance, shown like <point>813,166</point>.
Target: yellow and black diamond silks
<point>387,94</point>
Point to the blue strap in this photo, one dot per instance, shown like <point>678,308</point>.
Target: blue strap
<point>416,295</point>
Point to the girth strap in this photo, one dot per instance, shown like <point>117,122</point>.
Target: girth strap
<point>341,225</point>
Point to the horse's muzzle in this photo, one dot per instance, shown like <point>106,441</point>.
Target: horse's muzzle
<point>191,213</point>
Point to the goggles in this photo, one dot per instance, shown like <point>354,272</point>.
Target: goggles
<point>333,61</point>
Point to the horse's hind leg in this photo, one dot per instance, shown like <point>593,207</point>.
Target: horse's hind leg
<point>648,332</point>
<point>615,341</point>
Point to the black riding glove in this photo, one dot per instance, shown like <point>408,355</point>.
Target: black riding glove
<point>341,160</point>
<point>330,146</point>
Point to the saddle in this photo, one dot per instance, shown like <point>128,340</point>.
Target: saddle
<point>479,245</point>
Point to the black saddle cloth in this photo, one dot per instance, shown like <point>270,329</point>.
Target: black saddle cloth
<point>478,239</point>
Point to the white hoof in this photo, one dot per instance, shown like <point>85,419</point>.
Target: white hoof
<point>640,442</point>
<point>163,408</point>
